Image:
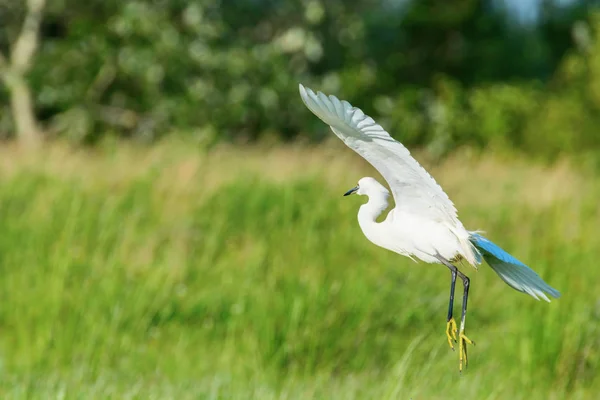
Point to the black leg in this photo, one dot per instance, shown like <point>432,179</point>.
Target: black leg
<point>466,284</point>
<point>451,327</point>
<point>451,324</point>
<point>464,340</point>
<point>452,285</point>
<point>454,271</point>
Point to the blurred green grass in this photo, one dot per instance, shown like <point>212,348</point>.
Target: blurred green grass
<point>240,274</point>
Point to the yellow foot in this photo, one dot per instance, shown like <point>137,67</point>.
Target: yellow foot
<point>462,349</point>
<point>451,332</point>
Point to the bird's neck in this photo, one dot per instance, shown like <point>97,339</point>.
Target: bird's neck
<point>368,212</point>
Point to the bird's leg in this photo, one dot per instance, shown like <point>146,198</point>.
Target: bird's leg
<point>451,324</point>
<point>463,339</point>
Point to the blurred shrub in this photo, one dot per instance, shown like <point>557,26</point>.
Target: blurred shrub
<point>544,119</point>
<point>145,69</point>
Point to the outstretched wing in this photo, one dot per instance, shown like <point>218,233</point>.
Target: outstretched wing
<point>414,190</point>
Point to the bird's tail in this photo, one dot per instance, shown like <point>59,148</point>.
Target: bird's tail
<point>512,271</point>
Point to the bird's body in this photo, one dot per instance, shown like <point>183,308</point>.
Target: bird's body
<point>405,233</point>
<point>424,224</point>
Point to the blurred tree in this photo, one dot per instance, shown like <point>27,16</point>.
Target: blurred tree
<point>217,70</point>
<point>15,66</point>
<point>556,23</point>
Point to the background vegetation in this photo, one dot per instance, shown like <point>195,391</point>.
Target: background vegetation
<point>444,74</point>
<point>174,226</point>
<point>168,274</point>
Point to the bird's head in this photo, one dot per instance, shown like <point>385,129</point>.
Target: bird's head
<point>368,186</point>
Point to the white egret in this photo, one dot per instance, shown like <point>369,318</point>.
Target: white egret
<point>424,224</point>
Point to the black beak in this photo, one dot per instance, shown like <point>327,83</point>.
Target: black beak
<point>351,191</point>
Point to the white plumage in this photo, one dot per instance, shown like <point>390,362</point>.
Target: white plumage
<point>424,223</point>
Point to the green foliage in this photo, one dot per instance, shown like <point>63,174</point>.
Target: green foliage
<point>141,289</point>
<point>147,68</point>
<point>547,120</point>
<point>436,75</point>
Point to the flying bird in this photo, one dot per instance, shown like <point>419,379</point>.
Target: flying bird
<point>424,224</point>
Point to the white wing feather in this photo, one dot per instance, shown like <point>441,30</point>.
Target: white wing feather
<point>414,190</point>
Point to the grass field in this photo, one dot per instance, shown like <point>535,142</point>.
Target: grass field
<point>171,273</point>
